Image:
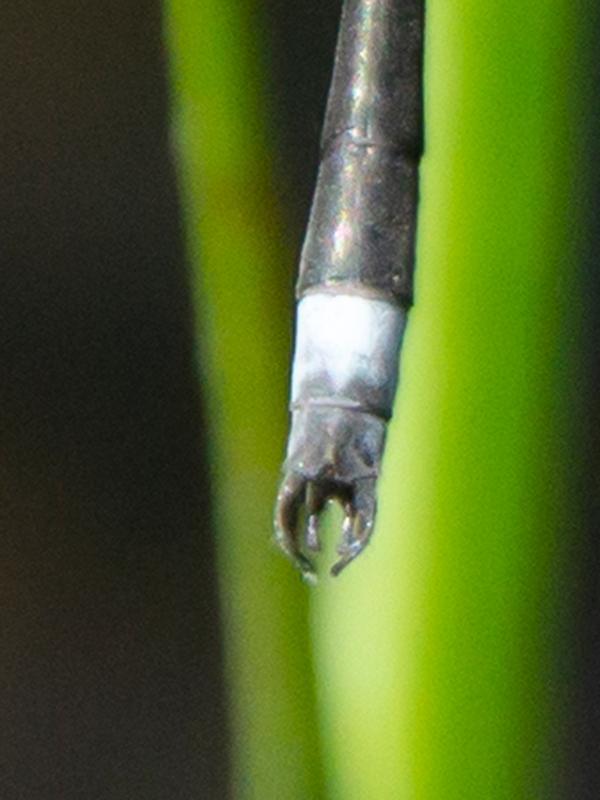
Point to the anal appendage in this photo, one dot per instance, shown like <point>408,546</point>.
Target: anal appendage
<point>344,381</point>
<point>335,454</point>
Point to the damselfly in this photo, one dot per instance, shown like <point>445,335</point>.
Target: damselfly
<point>355,284</point>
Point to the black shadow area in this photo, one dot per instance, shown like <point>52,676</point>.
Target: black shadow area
<point>578,758</point>
<point>301,38</point>
<point>110,651</point>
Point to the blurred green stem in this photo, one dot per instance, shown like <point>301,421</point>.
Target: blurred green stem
<point>435,653</point>
<point>235,233</point>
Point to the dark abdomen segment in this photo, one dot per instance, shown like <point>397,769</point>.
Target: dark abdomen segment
<point>363,219</point>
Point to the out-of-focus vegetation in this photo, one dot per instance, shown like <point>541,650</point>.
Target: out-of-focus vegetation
<point>236,234</point>
<point>436,654</point>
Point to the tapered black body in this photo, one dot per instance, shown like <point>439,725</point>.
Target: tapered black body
<point>355,283</point>
<point>363,218</point>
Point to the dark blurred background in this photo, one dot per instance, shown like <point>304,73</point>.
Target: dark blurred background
<point>110,657</point>
<point>110,660</point>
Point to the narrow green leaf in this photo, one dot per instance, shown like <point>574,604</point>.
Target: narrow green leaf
<point>436,651</point>
<point>241,265</point>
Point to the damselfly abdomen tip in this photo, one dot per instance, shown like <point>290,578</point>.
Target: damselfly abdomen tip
<point>355,284</point>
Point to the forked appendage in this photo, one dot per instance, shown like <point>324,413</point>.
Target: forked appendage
<point>334,454</point>
<point>358,524</point>
<point>358,502</point>
<point>287,510</point>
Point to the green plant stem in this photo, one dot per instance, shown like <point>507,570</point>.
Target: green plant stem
<point>436,652</point>
<point>240,262</point>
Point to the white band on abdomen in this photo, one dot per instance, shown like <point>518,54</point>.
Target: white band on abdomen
<point>347,349</point>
